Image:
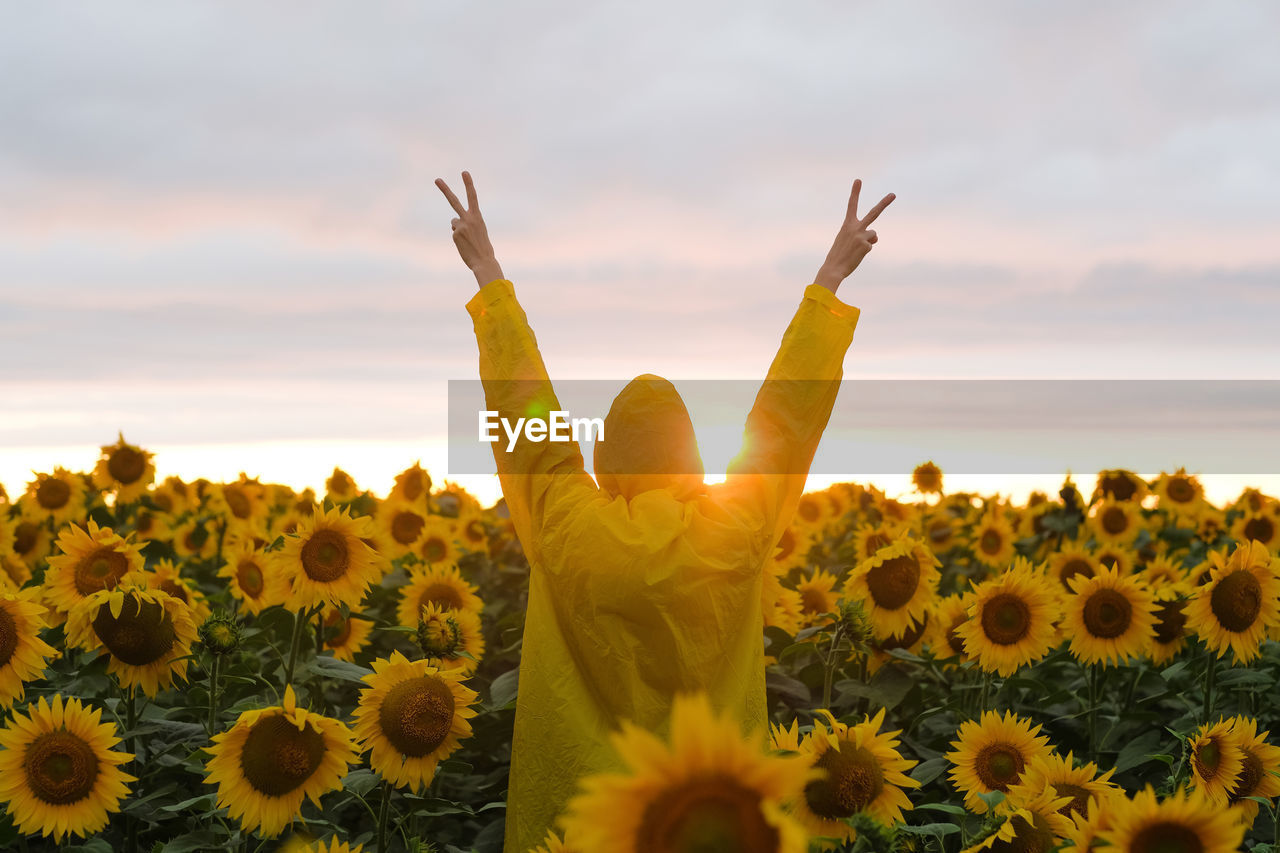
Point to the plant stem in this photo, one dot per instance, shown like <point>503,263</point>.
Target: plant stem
<point>1092,675</point>
<point>982,698</point>
<point>1210,682</point>
<point>299,622</point>
<point>319,632</point>
<point>213,695</point>
<point>130,724</point>
<point>384,809</point>
<point>829,667</point>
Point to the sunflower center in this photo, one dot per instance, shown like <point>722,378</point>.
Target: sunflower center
<point>1073,567</point>
<point>1119,487</point>
<point>939,531</point>
<point>1237,600</point>
<point>1006,619</point>
<point>434,549</point>
<point>893,583</point>
<point>954,640</point>
<point>249,576</point>
<point>991,542</point>
<point>442,594</point>
<point>875,542</point>
<point>998,766</point>
<point>139,635</point>
<point>163,501</point>
<point>61,768</point>
<point>1251,774</point>
<point>413,484</point>
<point>101,569</point>
<point>1180,490</point>
<point>277,756</point>
<point>786,544</point>
<point>1114,520</point>
<point>1208,756</point>
<point>1260,528</point>
<point>337,629</point>
<point>406,526</point>
<point>126,465</point>
<point>808,510</point>
<point>706,814</point>
<point>416,715</point>
<point>324,557</point>
<point>1171,621</point>
<point>813,601</point>
<point>1166,837</point>
<point>853,781</point>
<point>1107,614</point>
<point>175,589</point>
<point>25,535</point>
<point>8,637</point>
<point>1079,798</point>
<point>474,531</point>
<point>907,638</point>
<point>52,493</point>
<point>237,502</point>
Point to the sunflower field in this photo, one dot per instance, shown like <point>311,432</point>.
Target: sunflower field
<point>191,666</point>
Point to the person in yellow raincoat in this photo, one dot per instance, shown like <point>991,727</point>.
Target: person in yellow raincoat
<point>647,583</point>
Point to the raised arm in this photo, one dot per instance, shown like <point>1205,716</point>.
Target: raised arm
<point>794,404</point>
<point>537,477</point>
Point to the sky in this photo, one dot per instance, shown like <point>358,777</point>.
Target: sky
<point>220,233</point>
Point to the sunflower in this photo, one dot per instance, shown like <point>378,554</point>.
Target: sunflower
<point>792,550</point>
<point>1109,618</point>
<point>870,538</point>
<point>941,532</point>
<point>242,503</point>
<point>881,645</point>
<point>817,596</point>
<point>1164,571</point>
<point>1260,764</point>
<point>455,500</point>
<point>398,526</point>
<point>927,478</point>
<point>455,640</point>
<point>473,532</point>
<point>1034,825</point>
<point>1069,563</point>
<point>327,560</point>
<point>170,497</point>
<point>273,758</point>
<point>59,775</point>
<point>948,615</point>
<point>147,633</point>
<point>23,654</point>
<point>340,488</point>
<point>253,577</point>
<point>438,584</point>
<point>1261,527</point>
<point>1115,523</point>
<point>1082,837</point>
<point>780,605</point>
<point>991,755</point>
<point>992,540</point>
<point>862,771</point>
<point>125,469</point>
<point>195,538</point>
<point>1080,785</point>
<point>1115,557</point>
<point>812,511</point>
<point>14,572</point>
<point>553,844</point>
<point>152,525</point>
<point>31,540</point>
<point>1170,625</point>
<point>437,545</point>
<point>898,584</point>
<point>410,718</point>
<point>345,635</point>
<point>333,845</point>
<point>1012,620</point>
<point>707,789</point>
<point>1120,485</point>
<point>90,559</point>
<point>166,577</point>
<point>1235,609</point>
<point>413,484</point>
<point>1184,822</point>
<point>59,496</point>
<point>1181,494</point>
<point>1031,520</point>
<point>1216,760</point>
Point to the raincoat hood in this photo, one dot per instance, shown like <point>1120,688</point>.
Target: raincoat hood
<point>648,442</point>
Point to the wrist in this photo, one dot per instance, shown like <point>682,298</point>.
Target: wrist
<point>828,279</point>
<point>487,272</point>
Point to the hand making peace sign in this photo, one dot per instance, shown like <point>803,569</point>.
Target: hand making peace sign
<point>470,234</point>
<point>852,243</point>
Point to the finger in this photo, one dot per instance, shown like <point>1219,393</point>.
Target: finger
<point>473,203</point>
<point>871,237</point>
<point>852,214</point>
<point>455,222</point>
<point>453,199</point>
<point>877,210</point>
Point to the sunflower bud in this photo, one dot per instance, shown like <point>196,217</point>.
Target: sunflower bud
<point>220,634</point>
<point>855,625</point>
<point>439,635</point>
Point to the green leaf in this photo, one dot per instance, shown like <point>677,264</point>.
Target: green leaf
<point>1138,751</point>
<point>945,808</point>
<point>186,804</point>
<point>331,667</point>
<point>929,829</point>
<point>203,839</point>
<point>360,782</point>
<point>926,771</point>
<point>504,689</point>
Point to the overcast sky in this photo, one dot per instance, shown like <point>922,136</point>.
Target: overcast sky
<point>219,225</point>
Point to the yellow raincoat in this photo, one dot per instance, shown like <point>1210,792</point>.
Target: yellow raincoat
<point>648,584</point>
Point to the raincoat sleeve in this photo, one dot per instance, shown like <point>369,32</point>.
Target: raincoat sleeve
<point>765,481</point>
<point>538,478</point>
